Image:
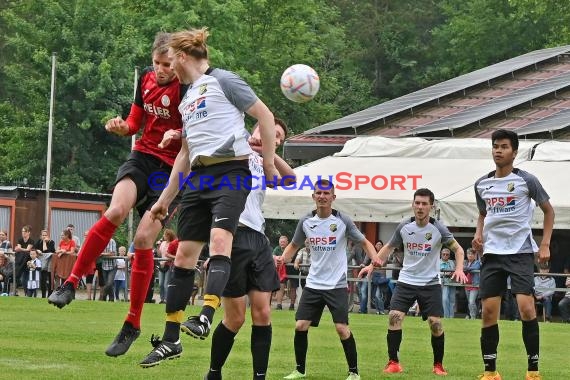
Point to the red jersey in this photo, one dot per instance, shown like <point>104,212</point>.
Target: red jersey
<point>157,107</point>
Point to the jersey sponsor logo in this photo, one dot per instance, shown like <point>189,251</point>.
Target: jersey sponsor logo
<point>158,111</point>
<point>333,227</point>
<point>323,243</point>
<point>418,247</point>
<point>501,204</point>
<point>195,110</point>
<point>165,100</point>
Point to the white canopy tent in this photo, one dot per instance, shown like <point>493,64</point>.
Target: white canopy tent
<point>393,166</point>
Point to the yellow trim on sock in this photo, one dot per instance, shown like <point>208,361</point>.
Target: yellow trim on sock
<point>212,301</point>
<point>177,316</point>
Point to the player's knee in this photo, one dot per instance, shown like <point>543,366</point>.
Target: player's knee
<point>435,326</point>
<point>117,213</point>
<point>261,315</point>
<point>220,242</point>
<point>395,318</point>
<point>342,330</point>
<point>143,238</point>
<point>235,322</point>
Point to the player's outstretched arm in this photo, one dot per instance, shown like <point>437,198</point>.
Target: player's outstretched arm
<point>285,171</point>
<point>548,225</point>
<point>266,122</point>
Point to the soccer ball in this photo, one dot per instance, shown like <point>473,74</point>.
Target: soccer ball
<point>300,83</point>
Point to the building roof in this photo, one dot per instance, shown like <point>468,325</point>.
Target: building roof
<point>529,94</point>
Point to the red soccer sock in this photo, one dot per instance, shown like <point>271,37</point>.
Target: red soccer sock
<point>143,267</point>
<point>97,239</point>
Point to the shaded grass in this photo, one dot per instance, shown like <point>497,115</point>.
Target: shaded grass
<point>39,341</point>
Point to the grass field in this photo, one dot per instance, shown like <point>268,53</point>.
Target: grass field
<point>39,341</point>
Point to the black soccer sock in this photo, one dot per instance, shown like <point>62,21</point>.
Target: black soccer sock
<point>222,342</point>
<point>438,347</point>
<point>349,346</point>
<point>489,343</point>
<point>260,346</point>
<point>301,343</point>
<point>531,339</point>
<point>218,275</point>
<point>394,338</point>
<point>177,297</point>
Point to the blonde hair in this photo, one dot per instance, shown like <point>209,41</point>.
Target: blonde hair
<point>192,42</point>
<point>169,235</point>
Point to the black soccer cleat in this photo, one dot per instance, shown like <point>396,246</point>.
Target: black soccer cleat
<point>63,295</point>
<point>162,351</point>
<point>123,340</point>
<point>197,327</point>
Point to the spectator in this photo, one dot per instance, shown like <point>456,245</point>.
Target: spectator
<point>471,265</point>
<point>121,275</point>
<point>34,266</point>
<point>45,248</point>
<point>564,304</point>
<point>65,257</point>
<point>5,277</point>
<point>90,274</point>
<point>447,267</point>
<point>25,244</point>
<point>355,257</point>
<point>509,304</point>
<point>164,266</point>
<point>5,244</point>
<point>6,273</point>
<point>395,260</point>
<point>109,267</point>
<point>541,293</point>
<point>379,283</point>
<point>292,282</point>
<point>303,262</point>
<point>281,270</point>
<point>74,237</point>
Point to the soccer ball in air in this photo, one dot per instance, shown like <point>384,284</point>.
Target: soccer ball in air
<point>300,83</point>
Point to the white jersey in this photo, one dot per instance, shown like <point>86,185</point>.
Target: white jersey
<point>509,205</point>
<point>328,240</point>
<point>252,215</point>
<point>212,113</point>
<point>421,247</point>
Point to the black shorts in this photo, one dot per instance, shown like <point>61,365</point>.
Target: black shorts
<point>252,264</point>
<point>429,299</point>
<point>150,176</point>
<point>313,302</point>
<point>215,197</point>
<point>496,268</point>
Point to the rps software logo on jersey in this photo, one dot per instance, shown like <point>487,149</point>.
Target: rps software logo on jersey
<point>323,243</point>
<point>418,249</point>
<point>501,204</point>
